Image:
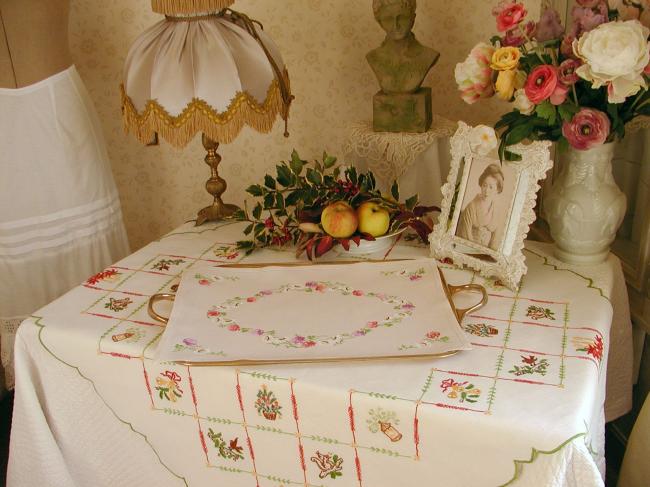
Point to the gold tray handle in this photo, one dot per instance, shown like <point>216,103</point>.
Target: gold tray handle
<point>460,313</point>
<point>153,300</point>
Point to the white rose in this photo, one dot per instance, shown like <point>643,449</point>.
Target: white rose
<point>522,103</point>
<point>483,139</point>
<point>615,54</point>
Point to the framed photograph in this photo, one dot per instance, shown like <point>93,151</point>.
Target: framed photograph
<point>488,205</point>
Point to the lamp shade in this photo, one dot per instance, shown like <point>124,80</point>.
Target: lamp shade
<point>205,73</point>
<point>181,7</point>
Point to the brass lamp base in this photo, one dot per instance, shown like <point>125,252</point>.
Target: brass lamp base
<point>216,186</point>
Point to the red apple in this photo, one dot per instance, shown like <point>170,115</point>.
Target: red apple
<point>373,219</point>
<point>339,220</point>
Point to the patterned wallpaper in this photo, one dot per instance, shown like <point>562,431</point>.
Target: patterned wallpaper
<point>323,42</point>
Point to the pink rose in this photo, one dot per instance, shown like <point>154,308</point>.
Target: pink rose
<point>309,343</point>
<point>251,299</point>
<point>588,128</point>
<point>213,313</point>
<point>541,83</point>
<point>433,335</point>
<point>516,38</point>
<point>567,71</point>
<point>190,342</point>
<point>509,15</point>
<point>372,324</point>
<point>549,26</point>
<point>356,292</point>
<point>204,282</point>
<point>415,277</point>
<point>233,327</point>
<point>474,75</point>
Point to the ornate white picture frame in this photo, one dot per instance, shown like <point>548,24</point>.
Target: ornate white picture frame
<point>487,205</point>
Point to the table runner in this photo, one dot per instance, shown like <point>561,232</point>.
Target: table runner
<point>279,313</point>
<point>524,408</point>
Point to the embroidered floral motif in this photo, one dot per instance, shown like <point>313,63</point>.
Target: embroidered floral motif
<point>412,276</point>
<point>537,313</point>
<point>164,264</point>
<point>429,339</point>
<point>219,314</point>
<point>267,404</point>
<point>230,451</point>
<point>117,304</point>
<point>107,275</point>
<point>463,391</point>
<point>532,365</point>
<point>481,329</point>
<point>130,335</point>
<point>383,420</point>
<point>329,464</point>
<point>208,280</point>
<point>190,344</point>
<point>167,386</point>
<point>591,347</point>
<point>228,251</point>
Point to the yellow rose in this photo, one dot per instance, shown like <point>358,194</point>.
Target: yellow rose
<point>505,85</point>
<point>505,59</point>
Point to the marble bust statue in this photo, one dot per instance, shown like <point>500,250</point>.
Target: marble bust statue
<point>400,64</point>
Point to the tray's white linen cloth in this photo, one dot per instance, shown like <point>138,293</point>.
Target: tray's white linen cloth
<point>92,408</point>
<point>365,310</point>
<point>60,216</point>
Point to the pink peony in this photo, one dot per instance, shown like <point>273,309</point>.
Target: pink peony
<point>567,71</point>
<point>515,37</point>
<point>586,19</point>
<point>587,129</point>
<point>541,83</point>
<point>509,15</point>
<point>549,26</point>
<point>233,327</point>
<point>474,75</point>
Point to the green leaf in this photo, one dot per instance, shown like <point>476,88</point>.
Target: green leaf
<point>511,156</point>
<point>547,111</point>
<point>284,175</point>
<point>279,201</point>
<point>239,215</point>
<point>269,201</point>
<point>314,177</point>
<point>255,190</point>
<point>567,111</point>
<point>257,211</point>
<point>269,182</point>
<point>411,202</point>
<point>562,144</point>
<point>494,40</point>
<point>328,161</point>
<point>394,191</point>
<point>248,229</point>
<point>351,174</point>
<point>519,133</point>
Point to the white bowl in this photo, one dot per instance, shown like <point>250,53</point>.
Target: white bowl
<point>379,244</point>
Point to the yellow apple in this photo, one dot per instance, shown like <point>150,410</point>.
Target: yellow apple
<point>339,220</point>
<point>373,219</point>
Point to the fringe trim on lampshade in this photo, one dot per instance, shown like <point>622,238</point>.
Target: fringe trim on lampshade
<point>181,7</point>
<point>198,116</point>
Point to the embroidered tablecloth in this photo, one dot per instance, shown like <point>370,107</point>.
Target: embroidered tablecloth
<point>524,407</point>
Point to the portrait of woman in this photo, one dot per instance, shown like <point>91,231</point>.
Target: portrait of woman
<point>482,219</point>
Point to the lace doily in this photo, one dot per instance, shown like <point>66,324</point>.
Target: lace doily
<point>8,329</point>
<point>390,154</point>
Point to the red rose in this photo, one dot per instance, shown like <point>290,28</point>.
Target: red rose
<point>541,83</point>
<point>508,15</point>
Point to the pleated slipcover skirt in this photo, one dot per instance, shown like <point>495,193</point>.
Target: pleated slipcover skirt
<point>60,216</point>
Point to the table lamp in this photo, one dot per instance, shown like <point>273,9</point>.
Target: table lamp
<point>204,68</point>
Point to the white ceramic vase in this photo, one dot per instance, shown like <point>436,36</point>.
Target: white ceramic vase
<point>585,207</point>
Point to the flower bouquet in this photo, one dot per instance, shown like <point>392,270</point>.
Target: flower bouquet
<point>316,206</point>
<point>578,87</point>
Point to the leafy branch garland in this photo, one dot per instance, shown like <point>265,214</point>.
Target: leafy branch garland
<point>290,205</point>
